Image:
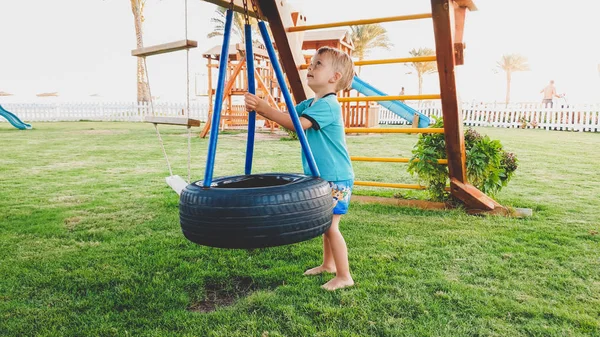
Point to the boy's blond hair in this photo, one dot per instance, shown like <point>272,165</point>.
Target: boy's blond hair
<point>342,63</point>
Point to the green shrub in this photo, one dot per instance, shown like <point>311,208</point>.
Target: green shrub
<point>489,167</point>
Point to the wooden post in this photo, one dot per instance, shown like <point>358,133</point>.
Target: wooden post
<point>443,27</point>
<point>289,45</point>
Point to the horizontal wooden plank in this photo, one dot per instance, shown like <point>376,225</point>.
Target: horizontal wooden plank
<point>237,6</point>
<point>164,48</point>
<point>172,120</point>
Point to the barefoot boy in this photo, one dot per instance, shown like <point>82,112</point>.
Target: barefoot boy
<point>330,71</point>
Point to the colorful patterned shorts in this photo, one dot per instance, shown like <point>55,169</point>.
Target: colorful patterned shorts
<point>341,191</point>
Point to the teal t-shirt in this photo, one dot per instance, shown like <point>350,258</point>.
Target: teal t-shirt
<point>326,138</point>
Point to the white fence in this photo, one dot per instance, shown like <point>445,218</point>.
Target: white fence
<point>578,117</point>
<point>118,111</point>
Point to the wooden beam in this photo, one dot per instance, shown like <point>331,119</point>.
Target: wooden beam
<point>226,93</point>
<point>471,196</point>
<point>459,28</point>
<point>289,45</point>
<point>469,4</point>
<point>422,204</point>
<point>172,120</point>
<point>443,27</point>
<point>237,6</point>
<point>164,48</point>
<point>263,86</point>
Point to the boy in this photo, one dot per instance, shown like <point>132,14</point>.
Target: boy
<point>330,71</point>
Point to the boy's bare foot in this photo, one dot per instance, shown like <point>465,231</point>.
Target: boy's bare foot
<point>320,269</point>
<point>338,283</point>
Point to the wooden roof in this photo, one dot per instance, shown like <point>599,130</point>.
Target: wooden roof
<point>338,36</point>
<point>233,50</point>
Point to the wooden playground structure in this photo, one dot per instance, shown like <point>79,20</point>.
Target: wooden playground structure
<point>288,27</point>
<point>233,116</point>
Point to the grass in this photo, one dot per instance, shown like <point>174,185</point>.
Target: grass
<point>90,244</point>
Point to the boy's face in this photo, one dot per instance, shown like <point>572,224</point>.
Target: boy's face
<point>320,72</point>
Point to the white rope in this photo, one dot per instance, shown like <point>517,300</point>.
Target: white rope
<point>187,91</point>
<point>162,144</point>
<point>187,108</point>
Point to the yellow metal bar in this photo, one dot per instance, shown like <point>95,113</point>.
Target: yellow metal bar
<point>360,22</point>
<point>388,61</point>
<point>392,160</point>
<point>393,185</point>
<point>394,130</point>
<point>388,98</point>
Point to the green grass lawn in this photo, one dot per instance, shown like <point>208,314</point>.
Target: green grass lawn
<point>90,244</point>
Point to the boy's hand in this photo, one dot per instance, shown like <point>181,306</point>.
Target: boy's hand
<point>253,103</point>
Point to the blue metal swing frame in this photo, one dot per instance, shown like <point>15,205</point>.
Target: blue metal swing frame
<point>216,118</point>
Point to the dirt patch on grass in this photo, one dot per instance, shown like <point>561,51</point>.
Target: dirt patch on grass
<point>219,294</point>
<point>71,223</point>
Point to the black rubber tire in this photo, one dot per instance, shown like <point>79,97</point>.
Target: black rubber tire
<point>256,211</point>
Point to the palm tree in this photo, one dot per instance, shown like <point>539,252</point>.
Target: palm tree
<point>422,68</point>
<point>237,28</point>
<point>137,7</point>
<point>511,63</point>
<point>368,37</point>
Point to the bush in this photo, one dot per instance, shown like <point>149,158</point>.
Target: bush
<point>489,167</point>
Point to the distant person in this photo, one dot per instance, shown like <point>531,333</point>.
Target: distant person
<point>549,93</point>
<point>401,94</point>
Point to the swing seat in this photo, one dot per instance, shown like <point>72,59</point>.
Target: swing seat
<point>172,120</point>
<point>256,211</point>
<point>176,183</point>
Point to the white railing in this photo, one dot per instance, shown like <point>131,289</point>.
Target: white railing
<point>578,117</point>
<point>562,116</point>
<point>106,111</point>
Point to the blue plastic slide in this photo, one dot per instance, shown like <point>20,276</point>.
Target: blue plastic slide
<point>396,107</point>
<point>14,120</point>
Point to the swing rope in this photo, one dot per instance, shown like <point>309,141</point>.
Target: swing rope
<point>187,96</point>
<point>187,108</point>
<point>162,144</point>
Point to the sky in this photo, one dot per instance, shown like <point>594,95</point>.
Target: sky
<point>82,49</point>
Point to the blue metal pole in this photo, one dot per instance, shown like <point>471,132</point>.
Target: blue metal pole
<point>216,118</point>
<point>288,100</point>
<point>252,90</point>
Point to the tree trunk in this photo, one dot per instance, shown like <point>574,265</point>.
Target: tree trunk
<point>508,79</point>
<point>420,83</point>
<point>143,92</point>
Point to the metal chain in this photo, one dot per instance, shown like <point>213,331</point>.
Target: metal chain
<point>255,9</point>
<point>246,15</point>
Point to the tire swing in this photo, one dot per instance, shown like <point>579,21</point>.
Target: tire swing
<point>254,210</point>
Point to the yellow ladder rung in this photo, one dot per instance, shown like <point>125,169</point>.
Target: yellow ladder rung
<point>392,160</point>
<point>389,98</point>
<point>389,61</point>
<point>393,185</point>
<point>394,130</point>
<point>361,22</point>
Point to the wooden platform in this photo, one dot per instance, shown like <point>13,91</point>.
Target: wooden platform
<point>164,48</point>
<point>172,121</point>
